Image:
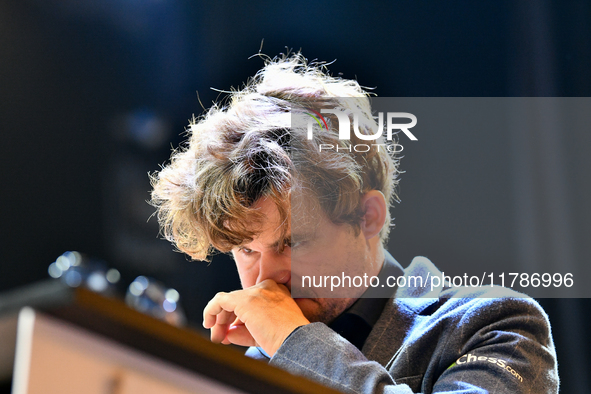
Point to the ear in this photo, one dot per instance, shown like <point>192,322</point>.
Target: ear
<point>373,204</point>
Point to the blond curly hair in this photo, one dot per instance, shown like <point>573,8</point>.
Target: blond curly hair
<point>238,153</point>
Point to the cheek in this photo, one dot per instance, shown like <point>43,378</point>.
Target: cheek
<point>324,310</point>
<point>247,271</point>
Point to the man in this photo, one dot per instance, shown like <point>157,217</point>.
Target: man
<point>254,180</point>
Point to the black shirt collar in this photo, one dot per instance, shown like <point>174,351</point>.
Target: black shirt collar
<point>356,323</point>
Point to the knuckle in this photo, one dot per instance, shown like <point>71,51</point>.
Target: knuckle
<point>216,299</point>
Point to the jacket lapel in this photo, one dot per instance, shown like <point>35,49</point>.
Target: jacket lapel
<point>386,341</point>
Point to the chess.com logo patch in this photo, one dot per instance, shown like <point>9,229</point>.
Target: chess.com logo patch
<point>470,358</point>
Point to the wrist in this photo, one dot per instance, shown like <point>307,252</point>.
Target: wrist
<point>286,333</point>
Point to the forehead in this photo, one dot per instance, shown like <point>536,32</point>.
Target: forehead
<point>268,209</point>
<point>271,227</point>
<point>304,219</point>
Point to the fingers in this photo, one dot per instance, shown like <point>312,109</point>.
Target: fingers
<point>217,305</point>
<point>239,335</point>
<point>272,285</point>
<point>225,327</point>
<point>220,329</point>
<point>263,314</point>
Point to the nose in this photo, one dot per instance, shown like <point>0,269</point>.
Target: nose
<point>275,266</point>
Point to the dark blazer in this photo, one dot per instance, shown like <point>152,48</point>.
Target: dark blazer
<point>446,339</point>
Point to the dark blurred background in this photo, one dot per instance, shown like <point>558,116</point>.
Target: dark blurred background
<point>95,94</point>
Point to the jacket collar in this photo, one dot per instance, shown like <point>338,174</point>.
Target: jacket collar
<point>403,310</point>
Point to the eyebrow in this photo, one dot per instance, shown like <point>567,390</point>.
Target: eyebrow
<point>277,244</point>
<point>289,237</point>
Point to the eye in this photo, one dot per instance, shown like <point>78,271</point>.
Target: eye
<point>293,245</point>
<point>245,250</point>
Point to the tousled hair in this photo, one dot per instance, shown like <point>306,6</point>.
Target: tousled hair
<point>250,149</point>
